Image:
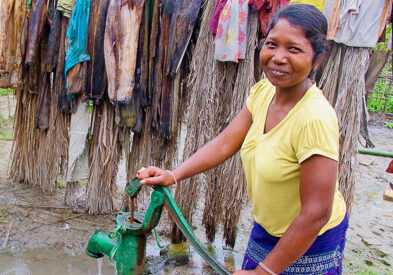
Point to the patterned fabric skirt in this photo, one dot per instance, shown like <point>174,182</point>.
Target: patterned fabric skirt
<point>323,257</point>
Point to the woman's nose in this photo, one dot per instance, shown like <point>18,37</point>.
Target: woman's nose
<point>279,57</point>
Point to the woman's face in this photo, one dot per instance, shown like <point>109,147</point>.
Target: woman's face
<point>287,55</point>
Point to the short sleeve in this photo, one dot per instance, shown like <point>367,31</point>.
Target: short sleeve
<point>263,86</point>
<point>251,100</point>
<point>317,137</point>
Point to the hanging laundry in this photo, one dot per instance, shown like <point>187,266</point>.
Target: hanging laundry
<point>316,3</point>
<point>142,73</point>
<point>220,4</point>
<point>52,49</point>
<point>76,52</point>
<point>64,104</point>
<point>181,28</point>
<point>176,25</point>
<point>153,50</point>
<point>231,37</point>
<point>96,75</point>
<point>357,23</point>
<point>131,113</point>
<point>65,6</point>
<point>267,9</point>
<point>120,47</point>
<point>13,14</point>
<point>78,168</point>
<point>163,84</point>
<point>41,119</point>
<point>36,25</point>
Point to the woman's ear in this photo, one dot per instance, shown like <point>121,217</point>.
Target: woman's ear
<point>319,59</point>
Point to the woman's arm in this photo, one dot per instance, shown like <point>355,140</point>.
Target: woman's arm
<point>317,186</point>
<point>226,144</point>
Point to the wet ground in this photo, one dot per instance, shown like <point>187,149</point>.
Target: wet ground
<point>42,236</point>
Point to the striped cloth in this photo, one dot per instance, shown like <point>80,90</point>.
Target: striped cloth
<point>323,257</point>
<point>65,6</point>
<point>357,23</point>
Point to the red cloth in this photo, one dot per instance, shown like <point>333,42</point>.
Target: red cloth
<point>390,167</point>
<point>267,9</point>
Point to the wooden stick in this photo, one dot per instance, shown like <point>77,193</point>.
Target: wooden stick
<point>8,234</point>
<point>79,220</point>
<point>39,206</point>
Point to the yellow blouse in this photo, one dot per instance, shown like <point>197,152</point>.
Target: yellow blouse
<point>271,161</point>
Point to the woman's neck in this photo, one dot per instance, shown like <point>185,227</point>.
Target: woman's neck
<point>291,95</point>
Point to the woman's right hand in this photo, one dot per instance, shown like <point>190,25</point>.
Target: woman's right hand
<point>155,176</point>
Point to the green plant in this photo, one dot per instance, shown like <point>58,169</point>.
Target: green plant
<point>384,46</point>
<point>60,184</point>
<point>3,92</point>
<point>389,124</point>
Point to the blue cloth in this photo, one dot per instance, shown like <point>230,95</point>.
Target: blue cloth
<point>76,35</point>
<point>323,257</point>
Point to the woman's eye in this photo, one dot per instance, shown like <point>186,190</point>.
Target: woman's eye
<point>294,50</point>
<point>270,44</point>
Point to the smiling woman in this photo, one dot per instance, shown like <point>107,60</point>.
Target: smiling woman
<point>288,137</point>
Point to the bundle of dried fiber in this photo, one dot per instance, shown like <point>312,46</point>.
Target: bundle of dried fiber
<point>105,153</point>
<point>232,177</point>
<point>53,147</point>
<point>22,166</point>
<point>347,94</point>
<point>202,79</point>
<point>215,116</point>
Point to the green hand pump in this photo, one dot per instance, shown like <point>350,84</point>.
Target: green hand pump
<point>126,244</point>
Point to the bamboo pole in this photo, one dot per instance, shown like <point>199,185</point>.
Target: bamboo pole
<point>375,153</point>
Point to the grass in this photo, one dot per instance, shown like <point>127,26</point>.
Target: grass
<point>3,92</point>
<point>4,129</point>
<point>382,90</point>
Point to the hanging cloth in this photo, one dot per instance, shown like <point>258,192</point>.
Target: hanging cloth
<point>65,6</point>
<point>220,4</point>
<point>231,37</point>
<point>76,35</point>
<point>357,23</point>
<point>266,9</point>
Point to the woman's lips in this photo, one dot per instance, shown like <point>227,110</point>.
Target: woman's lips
<point>277,72</point>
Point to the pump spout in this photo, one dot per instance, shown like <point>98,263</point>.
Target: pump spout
<point>100,244</point>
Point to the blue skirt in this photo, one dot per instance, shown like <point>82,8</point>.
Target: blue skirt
<point>323,257</point>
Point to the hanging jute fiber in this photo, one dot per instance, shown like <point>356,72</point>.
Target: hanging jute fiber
<point>221,88</point>
<point>343,83</point>
<point>232,180</point>
<point>40,149</point>
<point>105,153</point>
<point>201,81</point>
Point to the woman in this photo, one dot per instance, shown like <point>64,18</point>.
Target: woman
<point>288,136</point>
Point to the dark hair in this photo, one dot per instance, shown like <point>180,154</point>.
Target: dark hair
<point>310,19</point>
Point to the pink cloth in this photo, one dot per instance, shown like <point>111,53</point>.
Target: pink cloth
<point>231,38</point>
<point>220,4</point>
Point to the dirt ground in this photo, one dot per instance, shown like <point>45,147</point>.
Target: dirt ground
<point>32,220</point>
